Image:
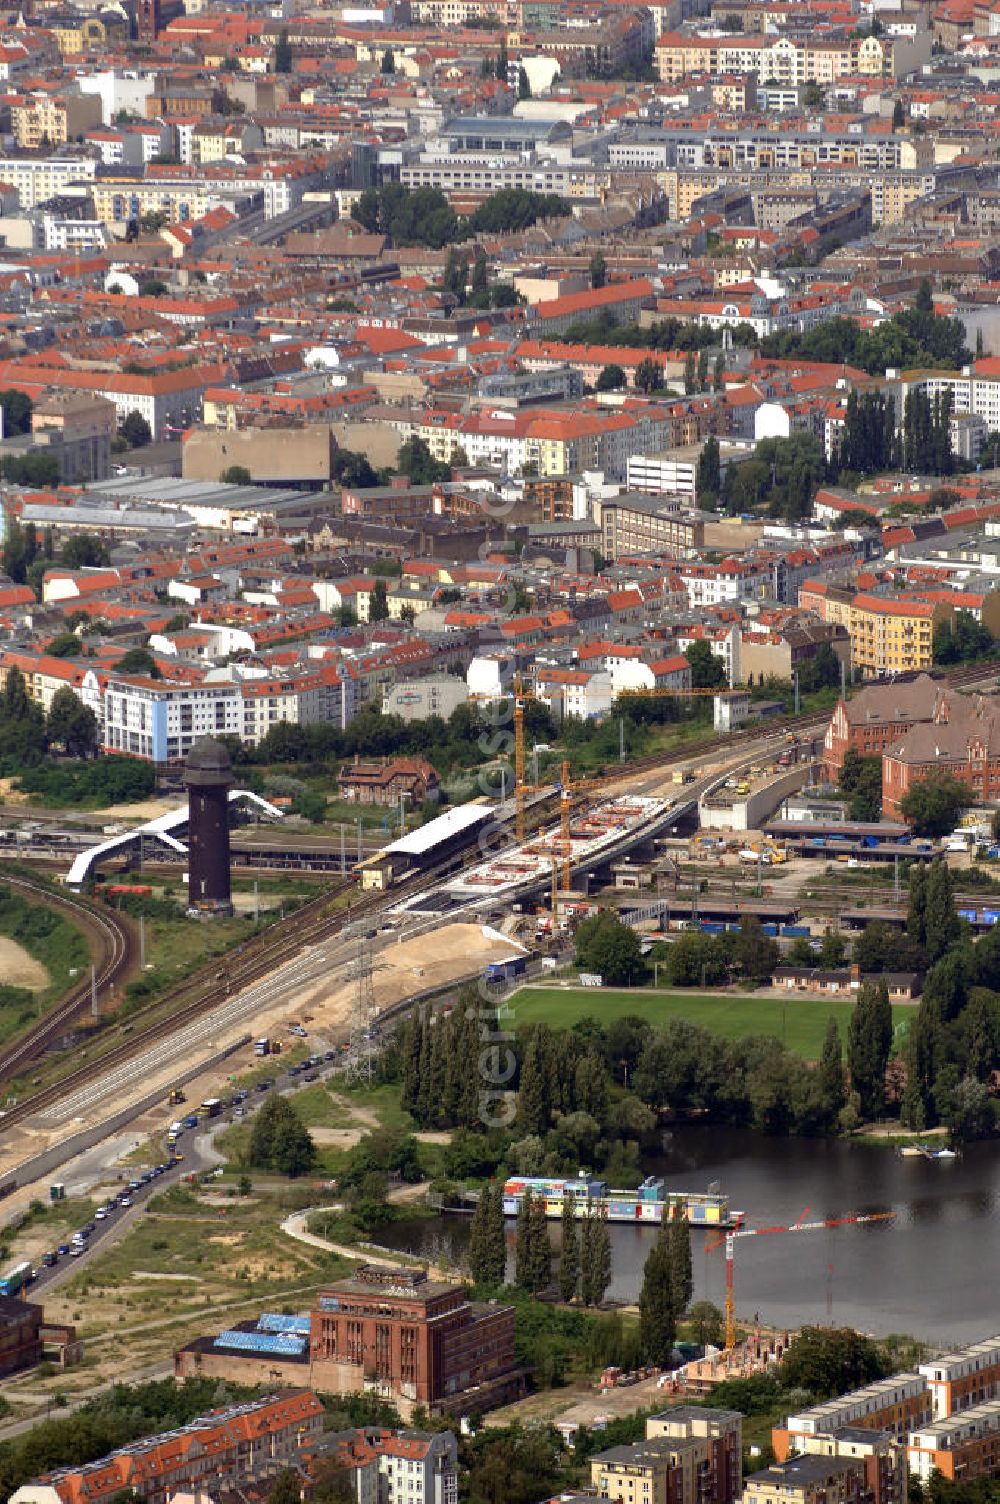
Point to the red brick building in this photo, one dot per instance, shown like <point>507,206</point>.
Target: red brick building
<point>965,744</point>
<point>879,716</point>
<point>387,1331</point>
<point>20,1334</point>
<point>410,1335</point>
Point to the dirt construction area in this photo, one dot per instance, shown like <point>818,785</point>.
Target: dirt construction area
<point>319,1000</point>
<point>18,969</point>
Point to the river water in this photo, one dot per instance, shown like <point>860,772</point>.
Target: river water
<point>932,1272</point>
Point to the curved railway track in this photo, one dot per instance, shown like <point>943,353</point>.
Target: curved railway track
<point>115,945</point>
<point>309,925</point>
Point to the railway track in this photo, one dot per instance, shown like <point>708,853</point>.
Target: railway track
<point>116,952</point>
<point>309,925</point>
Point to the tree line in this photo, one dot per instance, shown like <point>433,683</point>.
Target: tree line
<point>423,216</point>
<point>913,337</point>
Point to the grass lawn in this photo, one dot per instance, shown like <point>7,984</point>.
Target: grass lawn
<point>801,1023</point>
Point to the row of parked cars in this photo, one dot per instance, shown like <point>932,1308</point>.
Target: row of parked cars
<point>80,1240</point>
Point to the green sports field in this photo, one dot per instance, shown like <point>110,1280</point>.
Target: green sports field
<point>800,1022</point>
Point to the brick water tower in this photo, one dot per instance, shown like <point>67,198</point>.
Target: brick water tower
<point>208,777</point>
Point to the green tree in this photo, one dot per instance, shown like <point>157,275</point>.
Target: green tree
<point>941,924</point>
<point>813,97</point>
<point>523,84</point>
<point>861,783</point>
<point>533,1254</point>
<point>657,1316</point>
<point>72,725</point>
<point>17,410</point>
<point>933,805</point>
<point>416,461</point>
<point>138,661</point>
<point>455,275</point>
<point>610,378</point>
<point>64,645</point>
<point>827,1362</point>
<point>279,1141</point>
<point>283,52</point>
<point>707,669</point>
<point>503,61</point>
<point>595,1256</point>
<point>487,1238</point>
<point>533,1105</point>
<point>569,1255</point>
<point>610,949</point>
<point>136,431</point>
<point>648,375</point>
<point>690,373</point>
<point>708,481</point>
<point>378,609</point>
<point>707,1325</point>
<point>869,1040</point>
<point>598,270</point>
<point>388,61</point>
<point>830,1073</point>
<point>681,1278</point>
<point>286,1489</point>
<point>898,115</point>
<point>22,725</point>
<point>236,475</point>
<point>971,1113</point>
<point>84,551</point>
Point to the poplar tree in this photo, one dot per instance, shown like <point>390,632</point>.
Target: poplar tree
<point>682,1283</point>
<point>533,1257</point>
<point>830,1072</point>
<point>411,1062</point>
<point>487,1238</point>
<point>569,1259</point>
<point>657,1317</point>
<point>916,915</point>
<point>533,1094</point>
<point>941,927</point>
<point>869,1040</point>
<point>595,1256</point>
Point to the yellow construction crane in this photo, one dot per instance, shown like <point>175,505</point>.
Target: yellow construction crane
<point>567,789</point>
<point>659,694</point>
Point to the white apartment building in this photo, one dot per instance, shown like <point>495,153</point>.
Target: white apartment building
<point>965,1378</point>
<point>575,692</point>
<point>161,722</point>
<point>37,180</point>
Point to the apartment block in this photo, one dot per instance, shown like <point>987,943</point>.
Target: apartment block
<point>43,120</point>
<point>394,1467</point>
<point>641,524</point>
<point>897,1404</point>
<point>161,722</point>
<point>882,1454</point>
<point>688,1457</point>
<point>963,1379</point>
<point>222,1448</point>
<point>810,1480</point>
<point>961,1446</point>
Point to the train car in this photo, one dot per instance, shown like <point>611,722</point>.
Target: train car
<point>127,890</point>
<point>15,1280</point>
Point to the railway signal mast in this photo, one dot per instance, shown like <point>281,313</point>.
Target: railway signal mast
<point>853,1219</point>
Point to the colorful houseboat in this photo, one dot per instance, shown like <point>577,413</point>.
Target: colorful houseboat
<point>650,1203</point>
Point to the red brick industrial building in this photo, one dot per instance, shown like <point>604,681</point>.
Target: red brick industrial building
<point>390,1331</point>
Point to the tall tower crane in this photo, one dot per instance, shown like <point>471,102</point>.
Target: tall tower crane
<point>729,1238</point>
